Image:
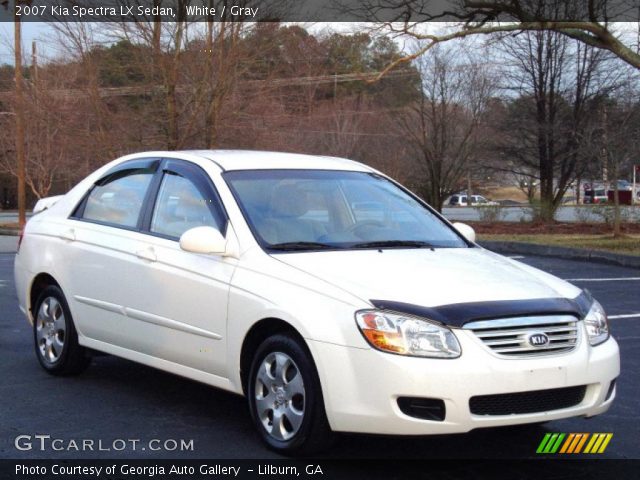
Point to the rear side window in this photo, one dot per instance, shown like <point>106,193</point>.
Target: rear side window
<point>119,201</point>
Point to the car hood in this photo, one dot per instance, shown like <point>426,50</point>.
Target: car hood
<point>431,278</point>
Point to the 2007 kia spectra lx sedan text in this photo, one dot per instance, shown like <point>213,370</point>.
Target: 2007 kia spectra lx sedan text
<point>329,295</point>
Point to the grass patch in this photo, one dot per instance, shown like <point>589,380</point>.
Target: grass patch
<point>629,245</point>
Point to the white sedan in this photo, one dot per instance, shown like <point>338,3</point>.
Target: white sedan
<point>330,296</point>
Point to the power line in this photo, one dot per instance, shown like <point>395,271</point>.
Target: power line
<point>321,132</point>
<point>273,82</point>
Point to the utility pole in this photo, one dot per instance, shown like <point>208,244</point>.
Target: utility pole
<point>34,62</point>
<point>19,114</point>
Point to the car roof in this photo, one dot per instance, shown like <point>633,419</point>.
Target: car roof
<point>256,160</point>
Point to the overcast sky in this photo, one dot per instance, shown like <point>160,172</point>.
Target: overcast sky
<point>48,49</point>
<point>30,31</point>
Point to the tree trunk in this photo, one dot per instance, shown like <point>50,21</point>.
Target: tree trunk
<point>617,231</point>
<point>545,164</point>
<point>172,111</point>
<point>173,60</point>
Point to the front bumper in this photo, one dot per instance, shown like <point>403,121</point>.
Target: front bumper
<point>361,386</point>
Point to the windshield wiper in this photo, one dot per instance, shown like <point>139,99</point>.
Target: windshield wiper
<point>302,246</point>
<point>394,244</point>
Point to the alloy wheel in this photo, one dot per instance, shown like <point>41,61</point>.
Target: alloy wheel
<point>51,329</point>
<point>280,396</point>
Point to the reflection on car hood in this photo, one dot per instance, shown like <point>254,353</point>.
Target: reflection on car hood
<point>430,277</point>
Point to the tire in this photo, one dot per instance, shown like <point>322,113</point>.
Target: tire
<point>285,398</point>
<point>55,336</point>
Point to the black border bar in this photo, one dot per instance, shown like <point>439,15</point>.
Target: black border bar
<point>321,10</point>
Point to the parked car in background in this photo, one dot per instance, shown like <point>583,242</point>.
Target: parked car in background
<point>593,197</point>
<point>623,185</point>
<point>460,200</point>
<point>326,293</point>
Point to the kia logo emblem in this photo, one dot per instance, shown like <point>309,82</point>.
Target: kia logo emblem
<point>538,339</point>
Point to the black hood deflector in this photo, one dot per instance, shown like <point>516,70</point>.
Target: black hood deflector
<point>457,314</point>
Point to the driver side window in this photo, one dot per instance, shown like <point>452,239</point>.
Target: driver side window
<point>180,206</point>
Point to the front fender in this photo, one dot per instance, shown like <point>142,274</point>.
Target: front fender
<point>314,315</point>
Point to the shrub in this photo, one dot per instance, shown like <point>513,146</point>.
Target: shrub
<point>606,212</point>
<point>490,213</point>
<point>583,214</point>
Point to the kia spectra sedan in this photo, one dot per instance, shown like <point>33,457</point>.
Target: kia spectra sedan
<point>330,296</point>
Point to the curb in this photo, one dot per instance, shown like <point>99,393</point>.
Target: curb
<point>9,231</point>
<point>595,256</point>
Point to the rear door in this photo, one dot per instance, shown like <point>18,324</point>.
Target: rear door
<point>100,258</point>
<point>133,287</point>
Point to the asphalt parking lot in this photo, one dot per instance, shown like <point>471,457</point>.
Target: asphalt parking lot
<point>119,400</point>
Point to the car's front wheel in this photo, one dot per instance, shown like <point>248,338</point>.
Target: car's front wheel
<point>285,397</point>
<point>56,339</point>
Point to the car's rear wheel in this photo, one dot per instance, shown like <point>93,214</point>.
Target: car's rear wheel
<point>285,397</point>
<point>55,336</point>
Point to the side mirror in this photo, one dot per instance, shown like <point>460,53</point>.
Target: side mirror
<point>203,240</point>
<point>466,231</point>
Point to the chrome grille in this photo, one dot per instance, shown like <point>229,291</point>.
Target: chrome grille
<point>510,337</point>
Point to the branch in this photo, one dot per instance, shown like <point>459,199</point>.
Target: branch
<point>591,33</point>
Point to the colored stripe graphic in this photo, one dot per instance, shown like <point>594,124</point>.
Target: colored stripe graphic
<point>550,443</point>
<point>583,439</point>
<point>567,442</point>
<point>598,443</point>
<point>591,443</point>
<point>555,447</point>
<point>604,445</point>
<point>573,443</point>
<point>543,443</point>
<point>578,438</point>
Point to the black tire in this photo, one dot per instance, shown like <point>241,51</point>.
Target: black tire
<point>57,350</point>
<point>313,434</point>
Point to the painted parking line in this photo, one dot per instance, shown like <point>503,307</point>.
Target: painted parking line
<point>517,257</point>
<point>626,315</point>
<point>621,279</point>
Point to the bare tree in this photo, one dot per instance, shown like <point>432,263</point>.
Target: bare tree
<point>590,22</point>
<point>222,44</point>
<point>44,152</point>
<point>620,126</point>
<point>559,83</point>
<point>79,39</point>
<point>443,125</point>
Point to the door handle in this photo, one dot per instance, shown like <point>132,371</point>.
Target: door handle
<point>147,254</point>
<point>69,235</point>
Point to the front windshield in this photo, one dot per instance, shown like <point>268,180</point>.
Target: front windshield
<point>292,210</point>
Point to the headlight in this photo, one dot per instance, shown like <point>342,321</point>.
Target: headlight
<point>407,335</point>
<point>597,324</point>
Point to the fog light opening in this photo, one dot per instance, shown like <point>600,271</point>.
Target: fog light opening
<point>612,387</point>
<point>423,408</point>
